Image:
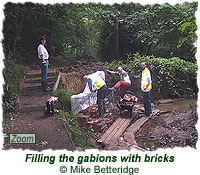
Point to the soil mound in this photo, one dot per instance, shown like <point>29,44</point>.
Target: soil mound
<point>72,82</point>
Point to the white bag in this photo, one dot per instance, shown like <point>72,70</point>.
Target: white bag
<point>86,98</point>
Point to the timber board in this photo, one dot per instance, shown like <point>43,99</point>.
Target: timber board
<point>115,129</point>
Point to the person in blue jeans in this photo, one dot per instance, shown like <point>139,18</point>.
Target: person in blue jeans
<point>43,63</point>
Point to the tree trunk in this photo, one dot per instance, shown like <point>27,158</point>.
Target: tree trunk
<point>114,42</point>
<point>15,42</point>
<point>18,26</point>
<point>51,48</point>
<point>148,49</point>
<point>89,33</point>
<point>78,51</point>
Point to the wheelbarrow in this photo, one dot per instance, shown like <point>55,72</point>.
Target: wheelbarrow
<point>127,105</point>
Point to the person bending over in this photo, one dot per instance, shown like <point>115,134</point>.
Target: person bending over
<point>99,85</point>
<point>124,82</point>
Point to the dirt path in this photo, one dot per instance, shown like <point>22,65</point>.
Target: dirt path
<point>29,118</point>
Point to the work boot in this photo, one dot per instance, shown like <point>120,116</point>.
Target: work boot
<point>48,88</point>
<point>45,87</point>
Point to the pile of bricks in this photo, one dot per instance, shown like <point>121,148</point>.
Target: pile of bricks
<point>127,100</point>
<point>89,118</point>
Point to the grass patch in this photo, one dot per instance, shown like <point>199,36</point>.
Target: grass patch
<point>64,98</point>
<point>193,107</point>
<point>79,136</point>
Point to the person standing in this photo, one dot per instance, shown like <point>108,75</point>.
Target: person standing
<point>146,86</point>
<point>124,82</point>
<point>99,85</point>
<point>43,63</point>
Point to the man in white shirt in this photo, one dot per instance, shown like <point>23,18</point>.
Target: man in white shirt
<point>146,86</point>
<point>43,62</point>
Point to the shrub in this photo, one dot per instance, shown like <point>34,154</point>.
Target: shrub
<point>171,77</point>
<point>64,98</point>
<point>12,74</point>
<point>79,136</point>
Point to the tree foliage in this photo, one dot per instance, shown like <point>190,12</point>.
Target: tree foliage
<point>94,31</point>
<point>171,77</point>
<point>104,32</point>
<point>162,30</point>
<point>11,84</point>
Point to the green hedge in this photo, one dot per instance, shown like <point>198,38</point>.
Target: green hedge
<point>12,74</point>
<point>64,98</point>
<point>79,136</point>
<point>171,77</point>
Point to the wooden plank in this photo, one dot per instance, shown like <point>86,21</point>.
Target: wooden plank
<point>136,125</point>
<point>38,80</point>
<point>125,124</point>
<point>56,83</point>
<point>110,129</point>
<point>39,71</point>
<point>115,130</point>
<point>112,134</point>
<point>121,129</point>
<point>38,77</point>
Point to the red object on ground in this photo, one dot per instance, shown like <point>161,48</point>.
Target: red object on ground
<point>124,87</point>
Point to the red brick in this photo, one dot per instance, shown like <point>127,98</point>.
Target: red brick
<point>82,119</point>
<point>98,127</point>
